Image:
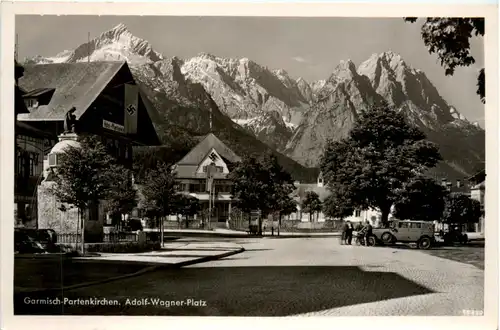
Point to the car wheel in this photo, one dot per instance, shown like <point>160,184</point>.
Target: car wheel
<point>424,243</point>
<point>387,238</point>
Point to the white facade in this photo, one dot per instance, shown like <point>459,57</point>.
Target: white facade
<point>213,157</point>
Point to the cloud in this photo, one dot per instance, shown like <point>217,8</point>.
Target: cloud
<point>299,59</point>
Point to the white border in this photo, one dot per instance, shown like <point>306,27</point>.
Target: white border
<point>489,321</point>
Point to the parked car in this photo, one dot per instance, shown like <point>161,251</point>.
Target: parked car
<point>407,231</point>
<point>26,241</point>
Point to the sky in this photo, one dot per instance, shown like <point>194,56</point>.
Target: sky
<point>304,47</point>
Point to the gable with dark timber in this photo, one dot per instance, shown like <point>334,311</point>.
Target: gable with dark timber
<point>109,106</point>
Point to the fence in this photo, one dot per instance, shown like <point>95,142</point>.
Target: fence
<point>108,237</point>
<point>240,221</point>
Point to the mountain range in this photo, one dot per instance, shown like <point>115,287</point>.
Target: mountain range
<point>257,109</point>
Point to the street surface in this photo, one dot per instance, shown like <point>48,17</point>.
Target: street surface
<point>291,276</point>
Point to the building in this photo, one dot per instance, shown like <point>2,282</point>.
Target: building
<point>106,102</point>
<point>477,192</point>
<point>203,174</point>
<point>30,145</point>
<point>373,216</point>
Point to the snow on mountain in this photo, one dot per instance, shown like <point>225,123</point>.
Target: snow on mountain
<point>332,116</point>
<point>244,89</point>
<point>117,44</point>
<point>386,77</point>
<point>269,128</point>
<point>290,115</point>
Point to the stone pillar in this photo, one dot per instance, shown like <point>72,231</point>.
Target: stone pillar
<point>53,214</point>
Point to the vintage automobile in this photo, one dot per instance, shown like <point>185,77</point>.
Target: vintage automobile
<point>35,240</point>
<point>407,231</point>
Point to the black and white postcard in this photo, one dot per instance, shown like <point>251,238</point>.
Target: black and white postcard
<point>249,160</point>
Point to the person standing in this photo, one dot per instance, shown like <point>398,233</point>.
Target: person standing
<point>349,231</point>
<point>368,232</point>
<point>345,229</point>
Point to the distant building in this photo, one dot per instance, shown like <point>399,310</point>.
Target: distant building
<point>478,192</point>
<point>209,158</point>
<point>106,101</point>
<point>320,188</point>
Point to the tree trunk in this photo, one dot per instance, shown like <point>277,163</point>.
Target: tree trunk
<point>385,215</point>
<point>161,231</point>
<point>279,224</point>
<point>82,220</point>
<point>260,225</point>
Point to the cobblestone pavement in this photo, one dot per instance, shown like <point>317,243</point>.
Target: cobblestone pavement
<point>456,287</point>
<point>291,276</point>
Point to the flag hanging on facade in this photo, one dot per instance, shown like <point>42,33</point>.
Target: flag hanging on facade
<point>211,169</point>
<point>131,105</point>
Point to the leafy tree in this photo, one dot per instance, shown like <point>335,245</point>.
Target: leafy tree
<point>261,185</point>
<point>159,193</point>
<point>279,196</point>
<point>123,198</point>
<point>421,199</point>
<point>460,208</point>
<point>187,206</point>
<point>286,206</point>
<point>311,204</point>
<point>338,205</point>
<point>85,175</point>
<point>449,38</point>
<point>381,154</point>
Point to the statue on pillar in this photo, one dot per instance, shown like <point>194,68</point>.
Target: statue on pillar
<point>70,121</point>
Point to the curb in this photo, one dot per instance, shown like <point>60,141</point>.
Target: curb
<point>303,236</point>
<point>140,272</point>
<point>245,235</point>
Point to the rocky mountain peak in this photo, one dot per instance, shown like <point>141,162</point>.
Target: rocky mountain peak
<point>345,70</point>
<point>117,30</point>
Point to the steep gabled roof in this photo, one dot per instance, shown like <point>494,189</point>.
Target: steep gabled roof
<point>76,85</point>
<point>23,128</point>
<point>200,151</point>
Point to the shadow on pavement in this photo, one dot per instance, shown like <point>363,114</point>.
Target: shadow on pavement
<point>235,291</point>
<point>56,273</point>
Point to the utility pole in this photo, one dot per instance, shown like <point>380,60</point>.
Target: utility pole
<point>88,47</point>
<point>16,49</point>
<point>210,120</point>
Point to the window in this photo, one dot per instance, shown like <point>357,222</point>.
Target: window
<point>357,213</point>
<point>403,225</point>
<point>32,163</point>
<point>30,103</point>
<point>20,163</point>
<point>415,225</point>
<point>220,169</point>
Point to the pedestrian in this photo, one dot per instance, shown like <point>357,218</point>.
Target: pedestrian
<point>368,232</point>
<point>349,231</point>
<point>345,229</point>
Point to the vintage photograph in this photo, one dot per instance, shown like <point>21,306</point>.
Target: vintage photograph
<point>249,166</point>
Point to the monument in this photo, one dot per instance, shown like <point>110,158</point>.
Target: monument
<point>52,214</point>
